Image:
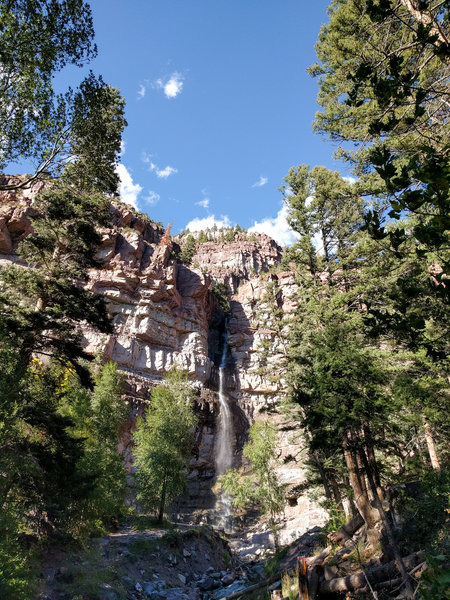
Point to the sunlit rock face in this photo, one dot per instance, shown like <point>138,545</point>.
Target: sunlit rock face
<point>165,315</point>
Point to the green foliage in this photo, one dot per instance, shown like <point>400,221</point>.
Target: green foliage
<point>262,486</point>
<point>383,76</point>
<point>97,417</point>
<point>188,250</point>
<point>42,306</point>
<point>97,122</point>
<point>17,570</point>
<point>322,205</point>
<point>426,514</point>
<point>38,39</point>
<point>62,473</point>
<point>163,443</point>
<point>76,136</point>
<point>435,580</point>
<point>336,519</point>
<point>222,292</point>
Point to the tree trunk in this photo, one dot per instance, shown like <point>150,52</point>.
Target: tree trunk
<point>162,502</point>
<point>322,474</point>
<point>361,499</point>
<point>422,17</point>
<point>336,493</point>
<point>431,445</point>
<point>371,458</point>
<point>345,532</point>
<point>375,575</point>
<point>409,590</point>
<point>360,474</point>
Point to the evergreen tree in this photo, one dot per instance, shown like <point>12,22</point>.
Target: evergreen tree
<point>326,210</point>
<point>163,442</point>
<point>383,75</point>
<point>188,249</point>
<point>97,417</point>
<point>41,306</point>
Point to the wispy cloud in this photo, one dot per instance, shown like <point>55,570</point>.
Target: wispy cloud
<point>277,228</point>
<point>172,85</point>
<point>129,191</point>
<point>203,203</point>
<point>141,91</point>
<point>198,224</point>
<point>166,172</point>
<point>161,173</point>
<point>261,181</point>
<point>152,198</point>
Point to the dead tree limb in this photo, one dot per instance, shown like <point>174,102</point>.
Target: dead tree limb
<point>345,532</point>
<point>374,576</point>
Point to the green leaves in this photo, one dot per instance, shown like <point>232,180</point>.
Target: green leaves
<point>163,443</point>
<point>39,37</point>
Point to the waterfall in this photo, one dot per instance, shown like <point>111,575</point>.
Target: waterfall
<point>224,440</point>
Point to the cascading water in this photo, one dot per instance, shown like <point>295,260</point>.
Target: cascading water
<point>224,440</point>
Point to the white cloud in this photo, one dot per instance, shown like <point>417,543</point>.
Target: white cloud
<point>208,223</point>
<point>166,172</point>
<point>261,181</point>
<point>123,147</point>
<point>172,85</point>
<point>277,228</point>
<point>152,198</point>
<point>350,180</point>
<point>141,91</point>
<point>128,190</point>
<point>203,203</point>
<point>161,173</point>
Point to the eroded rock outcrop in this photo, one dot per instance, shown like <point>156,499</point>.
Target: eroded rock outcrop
<point>165,314</point>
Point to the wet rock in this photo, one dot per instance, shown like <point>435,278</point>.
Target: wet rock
<point>138,587</point>
<point>106,592</point>
<point>182,578</point>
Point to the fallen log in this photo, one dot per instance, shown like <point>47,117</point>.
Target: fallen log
<point>376,575</point>
<point>345,532</point>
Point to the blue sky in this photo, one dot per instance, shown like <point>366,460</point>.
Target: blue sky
<point>219,104</point>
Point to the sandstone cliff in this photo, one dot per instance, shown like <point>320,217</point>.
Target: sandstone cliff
<point>166,313</point>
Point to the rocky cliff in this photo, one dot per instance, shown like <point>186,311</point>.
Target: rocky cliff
<point>166,313</point>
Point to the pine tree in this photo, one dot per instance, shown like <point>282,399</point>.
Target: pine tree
<point>41,306</point>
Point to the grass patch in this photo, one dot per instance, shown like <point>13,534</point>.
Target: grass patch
<point>85,578</point>
<point>272,565</point>
<point>144,522</point>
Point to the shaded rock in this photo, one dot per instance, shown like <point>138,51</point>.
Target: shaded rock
<point>206,584</point>
<point>228,579</point>
<point>106,592</point>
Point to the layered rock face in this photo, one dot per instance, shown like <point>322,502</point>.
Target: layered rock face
<point>165,314</point>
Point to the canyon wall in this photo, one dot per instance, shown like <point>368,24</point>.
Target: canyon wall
<point>166,313</point>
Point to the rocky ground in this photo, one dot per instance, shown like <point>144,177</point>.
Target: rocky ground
<point>182,562</point>
<point>135,565</point>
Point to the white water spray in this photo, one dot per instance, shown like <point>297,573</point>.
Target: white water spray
<point>224,440</point>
